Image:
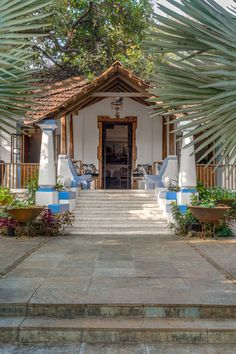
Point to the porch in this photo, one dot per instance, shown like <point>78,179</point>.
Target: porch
<point>16,175</point>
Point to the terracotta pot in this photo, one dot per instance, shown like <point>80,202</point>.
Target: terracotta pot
<point>211,215</point>
<point>25,214</point>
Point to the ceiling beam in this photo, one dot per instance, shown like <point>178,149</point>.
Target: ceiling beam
<point>119,94</point>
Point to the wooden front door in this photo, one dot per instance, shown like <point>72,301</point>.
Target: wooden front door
<point>116,152</point>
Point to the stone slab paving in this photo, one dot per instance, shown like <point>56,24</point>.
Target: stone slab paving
<point>14,250</point>
<point>117,349</point>
<point>223,252</point>
<point>117,269</point>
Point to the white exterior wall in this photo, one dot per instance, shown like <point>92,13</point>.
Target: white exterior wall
<point>86,133</point>
<point>5,145</point>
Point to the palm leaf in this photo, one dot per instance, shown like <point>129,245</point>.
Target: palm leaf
<point>19,25</point>
<point>198,78</point>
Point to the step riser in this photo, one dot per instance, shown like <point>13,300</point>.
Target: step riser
<point>129,213</point>
<point>114,233</point>
<point>141,335</point>
<point>123,336</point>
<point>79,230</point>
<point>117,191</point>
<point>115,197</point>
<point>119,223</point>
<point>73,311</point>
<point>115,210</point>
<point>103,219</point>
<point>117,204</point>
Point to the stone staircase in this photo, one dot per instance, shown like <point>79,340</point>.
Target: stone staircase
<point>77,323</point>
<point>117,212</point>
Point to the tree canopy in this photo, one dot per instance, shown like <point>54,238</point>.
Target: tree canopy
<point>91,35</point>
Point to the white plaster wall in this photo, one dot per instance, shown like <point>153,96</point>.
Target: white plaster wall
<point>149,131</point>
<point>5,144</point>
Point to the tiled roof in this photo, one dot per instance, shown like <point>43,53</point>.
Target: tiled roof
<point>56,98</point>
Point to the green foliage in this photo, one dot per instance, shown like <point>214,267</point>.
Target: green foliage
<point>3,214</point>
<point>59,186</point>
<point>6,198</point>
<point>223,229</point>
<point>208,198</point>
<point>19,204</point>
<point>198,80</point>
<point>214,195</point>
<point>182,221</point>
<point>49,224</point>
<point>32,186</point>
<point>18,30</point>
<point>112,30</point>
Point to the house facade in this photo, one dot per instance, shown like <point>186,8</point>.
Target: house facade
<point>107,126</point>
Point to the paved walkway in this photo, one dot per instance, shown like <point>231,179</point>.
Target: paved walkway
<point>118,269</point>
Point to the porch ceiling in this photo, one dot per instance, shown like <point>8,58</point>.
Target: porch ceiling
<point>71,95</point>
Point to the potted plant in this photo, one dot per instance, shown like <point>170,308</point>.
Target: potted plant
<point>208,213</point>
<point>24,212</point>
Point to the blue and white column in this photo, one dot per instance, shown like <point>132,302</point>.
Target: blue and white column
<point>187,173</point>
<point>47,169</point>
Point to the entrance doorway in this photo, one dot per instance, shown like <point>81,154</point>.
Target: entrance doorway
<point>117,155</point>
<point>116,152</point>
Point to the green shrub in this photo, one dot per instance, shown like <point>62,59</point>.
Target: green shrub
<point>6,198</point>
<point>182,221</point>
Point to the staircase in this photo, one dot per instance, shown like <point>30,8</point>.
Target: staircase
<point>76,323</point>
<point>117,212</point>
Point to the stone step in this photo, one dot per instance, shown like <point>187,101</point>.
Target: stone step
<point>117,201</point>
<point>116,197</point>
<point>124,193</point>
<point>117,330</point>
<point>115,232</point>
<point>117,191</point>
<point>103,310</point>
<point>121,206</point>
<point>129,201</point>
<point>119,226</point>
<point>117,211</point>
<point>114,208</point>
<point>111,348</point>
<point>105,218</point>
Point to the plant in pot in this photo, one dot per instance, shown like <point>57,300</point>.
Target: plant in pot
<point>217,195</point>
<point>24,212</point>
<point>209,214</point>
<point>6,198</point>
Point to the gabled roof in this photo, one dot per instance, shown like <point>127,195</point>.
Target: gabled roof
<point>73,94</point>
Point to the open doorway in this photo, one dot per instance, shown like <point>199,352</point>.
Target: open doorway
<point>117,152</point>
<point>117,155</point>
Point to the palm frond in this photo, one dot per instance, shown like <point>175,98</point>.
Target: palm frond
<point>19,26</point>
<point>198,79</point>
